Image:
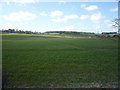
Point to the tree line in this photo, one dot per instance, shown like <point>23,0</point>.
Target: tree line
<point>69,32</point>
<point>17,31</point>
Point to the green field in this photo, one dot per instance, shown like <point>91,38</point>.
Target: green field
<point>51,61</point>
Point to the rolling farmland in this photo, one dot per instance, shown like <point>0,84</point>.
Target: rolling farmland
<point>53,61</point>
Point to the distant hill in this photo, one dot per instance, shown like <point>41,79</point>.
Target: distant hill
<point>69,32</point>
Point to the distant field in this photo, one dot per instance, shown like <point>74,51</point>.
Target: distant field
<point>51,61</point>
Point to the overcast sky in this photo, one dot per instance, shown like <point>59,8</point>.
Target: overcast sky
<point>58,16</point>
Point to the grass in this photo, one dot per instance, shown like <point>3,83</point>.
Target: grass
<point>46,61</point>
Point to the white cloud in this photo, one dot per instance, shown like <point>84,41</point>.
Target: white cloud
<point>97,17</point>
<point>18,16</point>
<point>43,14</point>
<point>83,5</point>
<point>72,16</point>
<point>66,18</point>
<point>83,17</point>
<point>59,20</point>
<point>114,9</point>
<point>56,13</point>
<point>89,8</point>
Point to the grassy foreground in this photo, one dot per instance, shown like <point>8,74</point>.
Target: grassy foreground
<point>46,61</point>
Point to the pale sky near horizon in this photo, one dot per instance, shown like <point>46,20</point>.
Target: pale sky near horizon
<point>58,16</point>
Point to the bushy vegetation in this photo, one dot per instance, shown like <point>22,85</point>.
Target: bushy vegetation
<point>51,61</point>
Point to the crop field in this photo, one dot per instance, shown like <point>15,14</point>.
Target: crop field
<point>61,62</point>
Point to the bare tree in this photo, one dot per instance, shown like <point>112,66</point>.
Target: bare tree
<point>117,24</point>
<point>117,20</point>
